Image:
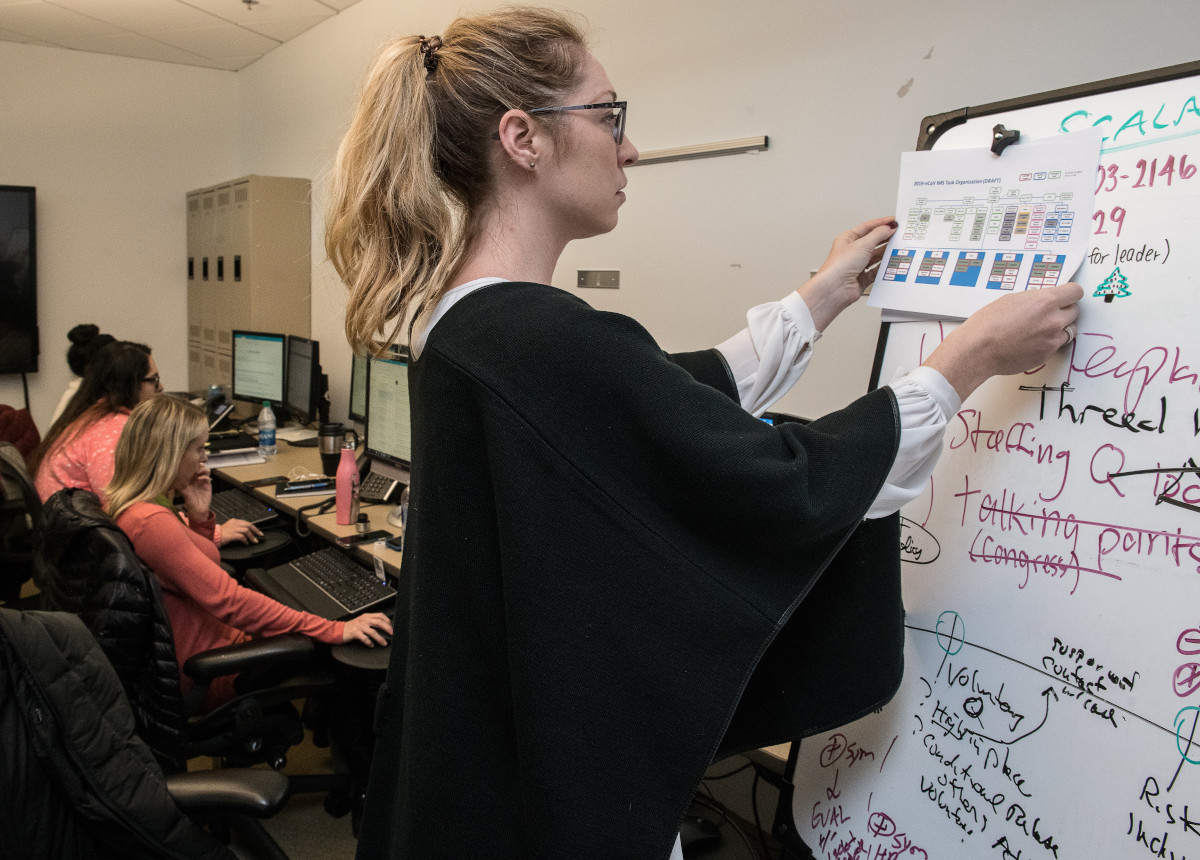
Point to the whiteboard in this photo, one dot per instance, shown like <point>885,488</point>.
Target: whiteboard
<point>1051,694</point>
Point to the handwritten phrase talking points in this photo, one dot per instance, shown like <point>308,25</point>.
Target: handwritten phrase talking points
<point>1099,549</point>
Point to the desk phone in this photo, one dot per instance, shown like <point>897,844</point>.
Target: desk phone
<point>377,487</point>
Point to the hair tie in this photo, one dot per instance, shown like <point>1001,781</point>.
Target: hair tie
<point>429,49</point>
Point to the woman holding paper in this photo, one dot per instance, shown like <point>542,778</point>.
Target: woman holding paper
<point>617,572</point>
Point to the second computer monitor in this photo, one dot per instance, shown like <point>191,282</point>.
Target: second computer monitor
<point>258,366</point>
<point>358,389</point>
<point>389,422</point>
<point>302,393</point>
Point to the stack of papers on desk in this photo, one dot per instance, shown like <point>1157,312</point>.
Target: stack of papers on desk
<point>295,434</point>
<point>235,458</point>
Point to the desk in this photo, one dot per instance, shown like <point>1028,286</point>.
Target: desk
<point>293,459</point>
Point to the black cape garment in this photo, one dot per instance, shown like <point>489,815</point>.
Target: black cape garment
<point>615,576</point>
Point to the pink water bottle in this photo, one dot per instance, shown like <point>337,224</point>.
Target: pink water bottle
<point>347,487</point>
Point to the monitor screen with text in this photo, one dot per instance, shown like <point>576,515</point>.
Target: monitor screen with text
<point>389,422</point>
<point>258,365</point>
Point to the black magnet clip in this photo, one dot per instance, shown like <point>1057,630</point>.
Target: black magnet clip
<point>1002,137</point>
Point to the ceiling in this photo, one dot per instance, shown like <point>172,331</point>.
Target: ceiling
<point>216,34</point>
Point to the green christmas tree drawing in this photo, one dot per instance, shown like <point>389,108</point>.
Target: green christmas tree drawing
<point>1115,286</point>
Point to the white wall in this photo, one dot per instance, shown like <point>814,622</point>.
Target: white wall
<point>111,144</point>
<point>839,87</point>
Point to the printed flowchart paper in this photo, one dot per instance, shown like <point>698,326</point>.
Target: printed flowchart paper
<point>975,226</point>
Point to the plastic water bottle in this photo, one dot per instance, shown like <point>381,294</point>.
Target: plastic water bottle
<point>380,570</point>
<point>266,430</point>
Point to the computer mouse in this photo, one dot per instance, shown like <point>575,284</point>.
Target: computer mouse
<point>697,835</point>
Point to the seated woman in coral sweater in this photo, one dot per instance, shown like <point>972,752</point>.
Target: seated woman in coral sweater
<point>161,452</point>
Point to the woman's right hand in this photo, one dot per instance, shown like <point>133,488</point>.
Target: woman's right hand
<point>1011,335</point>
<point>369,629</point>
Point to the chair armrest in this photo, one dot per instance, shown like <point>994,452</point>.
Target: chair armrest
<point>247,791</point>
<point>273,650</point>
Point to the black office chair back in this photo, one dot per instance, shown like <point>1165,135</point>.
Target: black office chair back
<point>20,513</point>
<point>77,780</point>
<point>85,565</point>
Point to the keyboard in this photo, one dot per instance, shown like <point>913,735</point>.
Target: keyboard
<point>235,505</point>
<point>378,488</point>
<point>349,584</point>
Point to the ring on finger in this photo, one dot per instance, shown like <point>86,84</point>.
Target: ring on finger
<point>1071,331</point>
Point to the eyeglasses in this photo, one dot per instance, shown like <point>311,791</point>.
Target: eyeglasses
<point>616,117</point>
<point>153,380</point>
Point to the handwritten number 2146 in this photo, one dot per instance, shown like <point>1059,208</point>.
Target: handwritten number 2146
<point>1109,175</point>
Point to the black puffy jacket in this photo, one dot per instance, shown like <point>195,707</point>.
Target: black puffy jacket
<point>85,565</point>
<point>75,780</point>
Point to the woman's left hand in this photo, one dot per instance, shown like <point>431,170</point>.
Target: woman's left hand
<point>848,270</point>
<point>197,495</point>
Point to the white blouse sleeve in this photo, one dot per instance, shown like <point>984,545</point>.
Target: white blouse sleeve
<point>927,403</point>
<point>772,352</point>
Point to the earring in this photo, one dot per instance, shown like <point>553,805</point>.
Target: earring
<point>532,165</point>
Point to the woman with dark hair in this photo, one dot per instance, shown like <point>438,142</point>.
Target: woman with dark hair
<point>86,340</point>
<point>80,447</point>
<point>616,573</point>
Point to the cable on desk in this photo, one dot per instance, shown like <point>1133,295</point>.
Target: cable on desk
<point>299,473</point>
<point>708,777</point>
<point>762,834</point>
<point>324,505</point>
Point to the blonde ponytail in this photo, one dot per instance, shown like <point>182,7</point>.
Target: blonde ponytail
<point>414,166</point>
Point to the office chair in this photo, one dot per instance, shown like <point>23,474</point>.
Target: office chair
<point>85,564</point>
<point>20,512</point>
<point>79,782</point>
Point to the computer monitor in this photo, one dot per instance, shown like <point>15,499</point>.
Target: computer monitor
<point>389,422</point>
<point>302,391</point>
<point>358,389</point>
<point>258,366</point>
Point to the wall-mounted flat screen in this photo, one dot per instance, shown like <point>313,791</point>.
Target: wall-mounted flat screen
<point>18,280</point>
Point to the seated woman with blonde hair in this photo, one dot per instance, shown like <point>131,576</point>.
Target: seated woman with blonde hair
<point>161,452</point>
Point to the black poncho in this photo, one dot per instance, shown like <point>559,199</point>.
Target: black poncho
<point>615,576</point>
